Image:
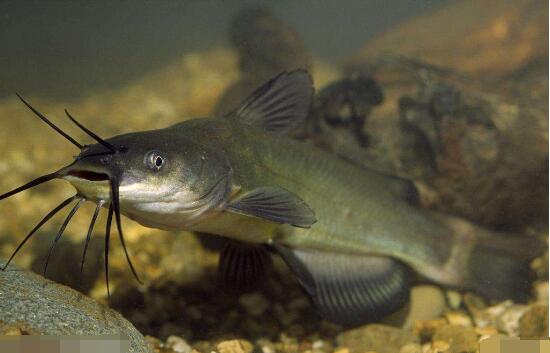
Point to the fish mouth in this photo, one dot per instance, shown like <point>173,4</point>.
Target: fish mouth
<point>88,175</point>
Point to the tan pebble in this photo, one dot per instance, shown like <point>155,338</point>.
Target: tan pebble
<point>234,346</point>
<point>411,348</point>
<point>489,315</point>
<point>426,329</point>
<point>342,350</point>
<point>508,321</point>
<point>268,349</point>
<point>486,332</point>
<point>440,346</point>
<point>319,344</point>
<point>458,318</point>
<point>426,303</point>
<point>459,339</point>
<point>541,292</point>
<point>12,331</point>
<point>454,299</point>
<point>178,344</point>
<point>534,324</point>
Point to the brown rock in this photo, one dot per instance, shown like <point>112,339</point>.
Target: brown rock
<point>477,37</point>
<point>234,346</point>
<point>426,329</point>
<point>479,141</point>
<point>534,323</point>
<point>460,339</point>
<point>178,345</point>
<point>458,318</point>
<point>379,338</point>
<point>411,348</point>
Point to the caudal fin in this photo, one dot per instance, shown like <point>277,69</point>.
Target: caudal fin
<point>499,266</point>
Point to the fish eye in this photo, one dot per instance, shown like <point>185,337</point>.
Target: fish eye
<point>154,160</point>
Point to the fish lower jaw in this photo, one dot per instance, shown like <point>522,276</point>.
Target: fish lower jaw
<point>169,223</point>
<point>94,191</point>
<point>162,216</point>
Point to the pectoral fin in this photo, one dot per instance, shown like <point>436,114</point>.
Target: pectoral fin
<point>241,265</point>
<point>350,289</point>
<point>274,204</point>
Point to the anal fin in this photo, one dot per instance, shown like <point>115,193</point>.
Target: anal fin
<point>241,265</point>
<point>350,289</point>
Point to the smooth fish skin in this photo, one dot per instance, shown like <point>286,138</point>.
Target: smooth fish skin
<point>356,213</point>
<point>352,236</point>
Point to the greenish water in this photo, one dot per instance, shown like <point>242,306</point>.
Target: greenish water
<point>60,49</point>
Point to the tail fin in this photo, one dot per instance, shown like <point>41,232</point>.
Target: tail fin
<point>499,266</point>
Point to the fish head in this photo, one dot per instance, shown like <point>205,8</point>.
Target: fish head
<point>160,178</point>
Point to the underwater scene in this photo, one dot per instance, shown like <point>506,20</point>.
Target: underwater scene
<point>275,177</point>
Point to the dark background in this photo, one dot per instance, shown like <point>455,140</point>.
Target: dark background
<point>69,48</point>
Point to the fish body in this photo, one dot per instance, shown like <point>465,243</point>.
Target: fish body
<point>356,210</point>
<point>351,235</point>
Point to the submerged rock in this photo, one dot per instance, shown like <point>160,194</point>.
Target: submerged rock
<point>339,114</point>
<point>477,37</point>
<point>465,112</point>
<point>31,304</point>
<point>234,346</point>
<point>458,339</point>
<point>534,323</point>
<point>379,338</point>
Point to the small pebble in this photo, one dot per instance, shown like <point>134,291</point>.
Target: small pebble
<point>178,344</point>
<point>454,299</point>
<point>234,346</point>
<point>342,350</point>
<point>254,303</point>
<point>508,320</point>
<point>534,323</point>
<point>458,339</point>
<point>458,318</point>
<point>411,348</point>
<point>426,329</point>
<point>486,332</point>
<point>541,291</point>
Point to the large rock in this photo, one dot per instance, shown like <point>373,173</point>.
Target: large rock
<point>464,114</point>
<point>34,305</point>
<point>476,37</point>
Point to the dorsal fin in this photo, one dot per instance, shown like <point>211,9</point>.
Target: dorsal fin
<point>279,104</point>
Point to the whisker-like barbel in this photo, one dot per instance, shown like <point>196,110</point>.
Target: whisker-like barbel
<point>61,231</point>
<point>30,184</point>
<point>90,133</point>
<point>116,206</point>
<point>107,238</point>
<point>89,234</point>
<point>40,224</point>
<point>52,125</point>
